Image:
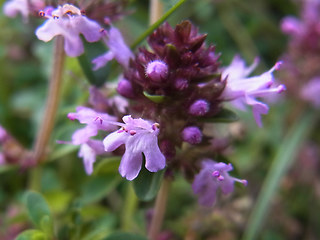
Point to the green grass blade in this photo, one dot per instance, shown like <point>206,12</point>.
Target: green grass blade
<point>282,161</point>
<point>157,24</point>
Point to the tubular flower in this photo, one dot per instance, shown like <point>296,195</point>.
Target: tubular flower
<point>68,21</point>
<point>139,136</point>
<point>14,7</point>
<point>117,50</point>
<point>212,176</point>
<point>95,121</point>
<point>88,151</point>
<point>242,90</point>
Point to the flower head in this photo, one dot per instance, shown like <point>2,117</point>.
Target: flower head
<point>68,21</point>
<point>95,121</point>
<point>213,176</point>
<point>243,91</point>
<point>117,50</point>
<point>139,136</point>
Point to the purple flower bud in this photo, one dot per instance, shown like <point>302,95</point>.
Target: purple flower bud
<point>192,135</point>
<point>181,83</point>
<point>125,88</point>
<point>157,70</point>
<point>199,108</point>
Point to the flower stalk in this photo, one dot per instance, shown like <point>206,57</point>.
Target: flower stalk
<point>159,210</point>
<point>52,102</point>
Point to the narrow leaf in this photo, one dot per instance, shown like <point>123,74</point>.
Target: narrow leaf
<point>283,160</point>
<point>157,24</point>
<point>154,98</point>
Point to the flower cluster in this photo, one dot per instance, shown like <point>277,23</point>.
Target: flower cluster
<point>176,84</point>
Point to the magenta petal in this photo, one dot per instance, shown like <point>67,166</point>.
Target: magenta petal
<point>73,46</point>
<point>89,157</point>
<point>89,28</point>
<point>130,164</point>
<point>155,160</point>
<point>114,140</point>
<point>83,135</point>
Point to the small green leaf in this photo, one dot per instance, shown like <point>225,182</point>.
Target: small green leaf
<point>98,187</point>
<point>39,211</point>
<point>147,184</point>
<point>154,98</point>
<point>224,116</point>
<point>124,236</point>
<point>31,235</point>
<point>107,166</point>
<point>93,50</point>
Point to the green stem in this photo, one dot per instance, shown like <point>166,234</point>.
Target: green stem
<point>52,102</point>
<point>282,161</point>
<point>157,24</point>
<point>159,210</point>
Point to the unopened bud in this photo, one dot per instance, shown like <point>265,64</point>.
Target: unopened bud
<point>199,108</point>
<point>157,70</point>
<point>125,88</point>
<point>192,135</point>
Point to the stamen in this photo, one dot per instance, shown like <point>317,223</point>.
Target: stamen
<point>220,178</point>
<point>155,126</point>
<point>55,17</point>
<point>42,13</point>
<point>216,174</point>
<point>99,118</point>
<point>83,12</point>
<point>132,132</point>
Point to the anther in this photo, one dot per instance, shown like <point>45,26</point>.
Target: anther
<point>42,13</point>
<point>99,118</point>
<point>83,12</point>
<point>55,17</point>
<point>155,126</point>
<point>132,132</point>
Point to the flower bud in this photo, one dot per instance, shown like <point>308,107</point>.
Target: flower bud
<point>125,88</point>
<point>157,70</point>
<point>192,135</point>
<point>199,108</point>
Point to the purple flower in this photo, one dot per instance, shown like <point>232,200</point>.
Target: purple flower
<point>68,22</point>
<point>139,136</point>
<point>117,50</point>
<point>243,91</point>
<point>88,151</point>
<point>2,159</point>
<point>311,92</point>
<point>14,7</point>
<point>212,176</point>
<point>95,121</point>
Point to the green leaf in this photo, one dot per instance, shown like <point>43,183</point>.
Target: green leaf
<point>157,24</point>
<point>124,236</point>
<point>224,116</point>
<point>39,212</point>
<point>147,184</point>
<point>107,166</point>
<point>98,187</point>
<point>31,235</point>
<point>154,98</point>
<point>93,50</point>
<point>282,161</point>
